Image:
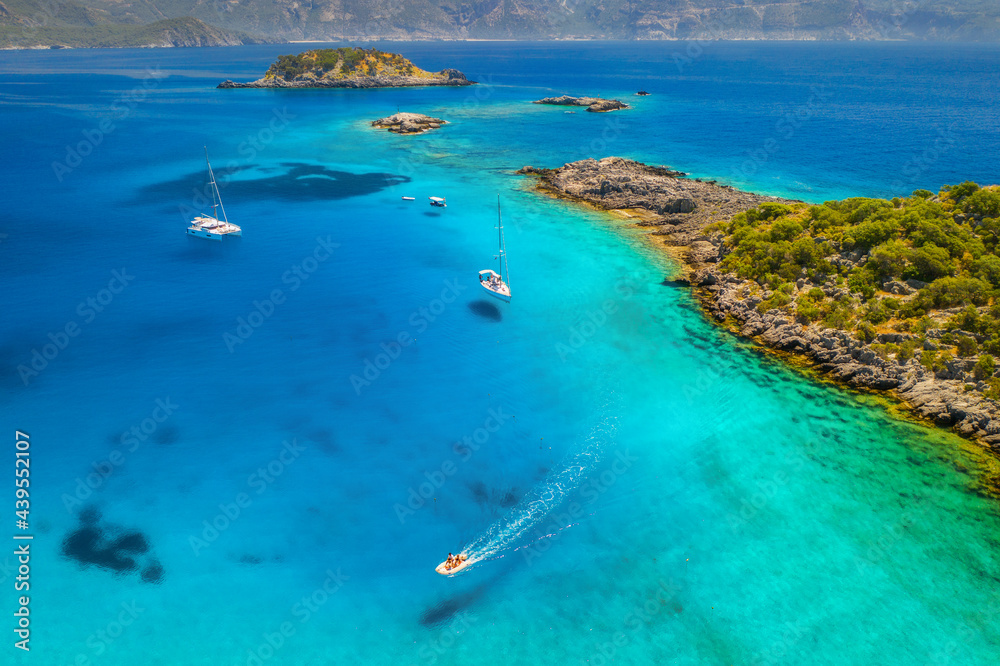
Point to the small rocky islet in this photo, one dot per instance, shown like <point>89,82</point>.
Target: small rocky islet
<point>408,123</point>
<point>349,67</point>
<point>859,288</point>
<point>593,104</point>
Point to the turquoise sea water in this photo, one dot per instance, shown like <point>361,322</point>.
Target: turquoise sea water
<point>637,486</point>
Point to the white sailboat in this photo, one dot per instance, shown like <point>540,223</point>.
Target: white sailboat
<point>210,226</point>
<point>497,284</point>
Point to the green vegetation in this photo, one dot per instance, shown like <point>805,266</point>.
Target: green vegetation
<point>837,263</point>
<point>183,31</point>
<point>342,63</point>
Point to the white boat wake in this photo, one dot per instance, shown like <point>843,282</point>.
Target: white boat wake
<point>504,534</point>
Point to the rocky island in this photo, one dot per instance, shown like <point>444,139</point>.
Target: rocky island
<point>408,123</point>
<point>889,295</point>
<point>594,104</point>
<point>349,67</point>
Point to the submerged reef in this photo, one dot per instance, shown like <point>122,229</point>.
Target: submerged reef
<point>116,549</point>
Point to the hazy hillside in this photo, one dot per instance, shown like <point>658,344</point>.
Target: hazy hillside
<point>28,23</point>
<point>973,20</point>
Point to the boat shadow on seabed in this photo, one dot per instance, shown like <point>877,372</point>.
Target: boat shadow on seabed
<point>442,611</point>
<point>486,310</point>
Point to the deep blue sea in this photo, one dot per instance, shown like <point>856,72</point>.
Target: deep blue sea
<point>256,451</point>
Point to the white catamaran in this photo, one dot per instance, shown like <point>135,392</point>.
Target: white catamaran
<point>498,284</point>
<point>210,226</point>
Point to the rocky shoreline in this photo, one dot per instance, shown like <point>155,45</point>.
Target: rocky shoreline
<point>593,104</point>
<point>447,77</point>
<point>408,123</point>
<point>679,209</point>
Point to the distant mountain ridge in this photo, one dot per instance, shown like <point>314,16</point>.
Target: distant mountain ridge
<point>228,21</point>
<point>79,27</point>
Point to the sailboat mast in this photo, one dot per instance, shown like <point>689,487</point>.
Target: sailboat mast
<point>216,197</point>
<point>211,182</point>
<point>504,269</point>
<point>500,232</point>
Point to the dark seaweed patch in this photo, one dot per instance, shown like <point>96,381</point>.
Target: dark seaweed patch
<point>508,499</point>
<point>298,182</point>
<point>134,542</point>
<point>86,546</point>
<point>110,547</point>
<point>324,438</point>
<point>153,573</point>
<point>479,492</point>
<point>166,435</point>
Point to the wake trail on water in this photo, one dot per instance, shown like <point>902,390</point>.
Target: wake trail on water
<point>505,533</point>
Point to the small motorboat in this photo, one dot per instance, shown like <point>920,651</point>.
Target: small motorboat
<point>409,198</point>
<point>438,201</point>
<point>445,570</point>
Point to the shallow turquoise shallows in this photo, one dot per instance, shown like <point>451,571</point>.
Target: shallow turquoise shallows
<point>302,423</point>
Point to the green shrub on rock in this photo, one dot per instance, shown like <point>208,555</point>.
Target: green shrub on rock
<point>985,367</point>
<point>866,332</point>
<point>985,203</point>
<point>967,346</point>
<point>949,243</point>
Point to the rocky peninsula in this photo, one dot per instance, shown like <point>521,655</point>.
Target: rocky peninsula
<point>828,284</point>
<point>349,67</point>
<point>594,104</point>
<point>408,123</point>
